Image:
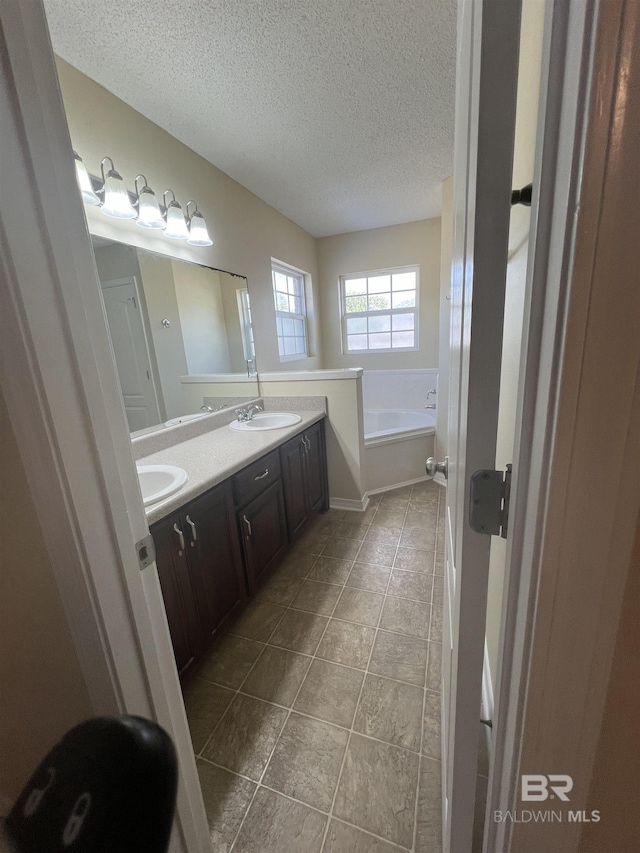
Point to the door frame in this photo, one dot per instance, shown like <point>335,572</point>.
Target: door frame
<point>556,646</point>
<point>63,399</point>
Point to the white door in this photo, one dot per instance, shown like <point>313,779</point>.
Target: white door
<point>122,304</point>
<point>487,66</point>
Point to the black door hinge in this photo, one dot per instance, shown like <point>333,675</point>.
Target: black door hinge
<point>489,502</point>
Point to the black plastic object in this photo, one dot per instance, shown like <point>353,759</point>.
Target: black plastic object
<point>522,196</point>
<point>109,786</point>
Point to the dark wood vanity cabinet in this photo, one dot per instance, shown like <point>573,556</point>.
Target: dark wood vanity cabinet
<point>222,545</point>
<point>200,571</point>
<point>304,475</point>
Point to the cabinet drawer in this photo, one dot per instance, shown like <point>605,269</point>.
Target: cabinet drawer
<point>254,479</point>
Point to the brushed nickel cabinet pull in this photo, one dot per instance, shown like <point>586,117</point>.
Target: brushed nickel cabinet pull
<point>262,476</point>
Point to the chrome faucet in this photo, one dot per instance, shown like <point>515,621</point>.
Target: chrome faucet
<point>206,409</point>
<point>246,414</point>
<point>432,393</point>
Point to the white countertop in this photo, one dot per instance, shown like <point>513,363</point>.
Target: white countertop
<point>211,458</point>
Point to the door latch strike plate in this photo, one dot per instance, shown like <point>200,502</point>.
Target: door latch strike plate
<point>146,551</point>
<point>489,502</point>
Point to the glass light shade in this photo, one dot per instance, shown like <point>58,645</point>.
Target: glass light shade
<point>176,226</point>
<point>116,198</point>
<point>149,215</point>
<point>84,182</point>
<point>198,234</point>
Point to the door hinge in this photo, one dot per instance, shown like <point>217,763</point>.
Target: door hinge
<point>489,502</point>
<point>146,551</point>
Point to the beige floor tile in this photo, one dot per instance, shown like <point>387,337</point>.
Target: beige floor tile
<point>246,736</point>
<point>423,539</point>
<point>258,621</point>
<point>414,560</point>
<point>346,643</point>
<point>311,544</point>
<point>421,518</point>
<point>377,553</point>
<point>390,711</point>
<point>226,800</point>
<point>230,660</point>
<point>348,529</point>
<point>275,824</point>
<point>205,704</point>
<point>330,570</point>
<point>432,704</point>
<point>377,789</point>
<point>415,585</point>
<point>277,676</point>
<point>439,564</point>
<point>357,605</point>
<point>369,577</point>
<point>280,589</point>
<point>299,631</point>
<point>433,667</point>
<point>343,549</point>
<point>330,692</point>
<point>431,742</point>
<point>297,564</point>
<point>396,656</point>
<point>316,597</point>
<point>388,518</point>
<point>429,824</point>
<point>438,590</point>
<point>383,535</point>
<point>342,838</point>
<point>406,617</point>
<point>307,760</point>
<point>435,631</point>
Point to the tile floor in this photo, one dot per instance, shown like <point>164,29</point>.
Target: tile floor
<point>316,720</point>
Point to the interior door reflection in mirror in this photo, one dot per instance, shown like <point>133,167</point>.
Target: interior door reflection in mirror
<point>181,334</point>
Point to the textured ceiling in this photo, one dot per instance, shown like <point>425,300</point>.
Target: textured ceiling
<point>339,113</point>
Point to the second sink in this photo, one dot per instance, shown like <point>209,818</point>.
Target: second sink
<point>267,420</point>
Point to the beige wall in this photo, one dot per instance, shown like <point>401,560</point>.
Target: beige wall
<point>345,442</point>
<point>446,256</point>
<point>381,248</point>
<point>202,318</point>
<point>246,232</point>
<point>524,155</point>
<point>614,785</point>
<point>43,692</point>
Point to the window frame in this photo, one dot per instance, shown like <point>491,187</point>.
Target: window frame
<point>302,277</point>
<point>344,315</point>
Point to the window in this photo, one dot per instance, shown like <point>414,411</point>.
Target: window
<point>291,312</point>
<point>380,310</point>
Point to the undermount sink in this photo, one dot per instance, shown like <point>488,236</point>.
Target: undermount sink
<point>267,420</point>
<point>159,481</point>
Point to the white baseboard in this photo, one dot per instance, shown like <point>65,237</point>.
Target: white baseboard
<point>398,485</point>
<point>351,505</point>
<point>440,480</point>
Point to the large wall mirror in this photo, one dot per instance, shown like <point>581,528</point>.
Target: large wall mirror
<point>181,335</point>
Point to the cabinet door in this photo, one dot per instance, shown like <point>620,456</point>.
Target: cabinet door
<point>316,471</point>
<point>177,592</point>
<point>292,456</point>
<point>264,533</point>
<point>214,558</point>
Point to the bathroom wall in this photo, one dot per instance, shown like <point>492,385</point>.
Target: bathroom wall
<point>246,232</point>
<point>380,248</point>
<point>398,389</point>
<point>446,255</point>
<point>524,155</point>
<point>43,691</point>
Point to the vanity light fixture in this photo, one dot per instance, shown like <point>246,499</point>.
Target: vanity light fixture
<point>149,215</point>
<point>116,198</point>
<point>84,182</point>
<point>198,234</point>
<point>176,227</point>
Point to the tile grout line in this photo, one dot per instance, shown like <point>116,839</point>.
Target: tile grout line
<point>357,705</point>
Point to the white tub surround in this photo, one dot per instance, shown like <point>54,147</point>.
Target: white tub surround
<point>211,458</point>
<point>397,460</point>
<point>386,426</point>
<point>398,389</point>
<point>345,433</point>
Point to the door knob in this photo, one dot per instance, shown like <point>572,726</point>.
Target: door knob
<point>432,467</point>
